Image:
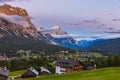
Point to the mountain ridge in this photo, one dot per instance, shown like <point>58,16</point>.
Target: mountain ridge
<point>9,10</point>
<point>109,46</point>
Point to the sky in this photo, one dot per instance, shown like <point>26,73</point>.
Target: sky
<point>84,18</point>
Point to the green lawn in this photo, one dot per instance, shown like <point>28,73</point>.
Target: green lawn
<point>17,73</point>
<point>100,74</point>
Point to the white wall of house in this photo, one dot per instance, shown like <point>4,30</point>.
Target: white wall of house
<point>59,70</point>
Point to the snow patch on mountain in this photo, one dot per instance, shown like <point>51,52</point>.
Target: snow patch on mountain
<point>62,36</point>
<point>56,28</point>
<point>54,43</point>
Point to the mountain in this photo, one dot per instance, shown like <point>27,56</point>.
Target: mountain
<point>8,29</point>
<point>55,30</point>
<point>18,32</point>
<point>14,37</point>
<point>109,46</point>
<point>57,36</point>
<point>86,43</point>
<point>104,46</point>
<point>12,11</point>
<point>16,21</point>
<point>68,42</point>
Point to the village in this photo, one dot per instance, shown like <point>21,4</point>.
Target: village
<point>41,64</point>
<point>62,65</point>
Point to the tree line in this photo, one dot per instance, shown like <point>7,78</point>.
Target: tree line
<point>23,64</point>
<point>110,61</point>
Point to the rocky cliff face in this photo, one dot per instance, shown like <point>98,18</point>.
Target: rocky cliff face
<point>9,19</point>
<point>55,30</point>
<point>8,29</point>
<point>9,10</point>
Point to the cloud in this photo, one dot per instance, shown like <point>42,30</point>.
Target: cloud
<point>90,21</point>
<point>85,22</point>
<point>100,26</point>
<point>15,19</point>
<point>88,37</point>
<point>3,1</point>
<point>113,32</point>
<point>77,37</point>
<point>110,28</point>
<point>115,19</point>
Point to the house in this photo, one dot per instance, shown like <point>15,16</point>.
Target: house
<point>68,65</point>
<point>4,73</point>
<point>4,58</point>
<point>44,70</point>
<point>31,72</point>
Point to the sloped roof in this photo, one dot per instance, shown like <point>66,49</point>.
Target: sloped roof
<point>4,72</point>
<point>44,70</point>
<point>67,62</point>
<point>34,71</point>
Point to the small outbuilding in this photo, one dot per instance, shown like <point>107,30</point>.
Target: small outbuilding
<point>4,73</point>
<point>31,72</point>
<point>44,70</point>
<point>91,67</point>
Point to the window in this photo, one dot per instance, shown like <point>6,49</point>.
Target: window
<point>62,71</point>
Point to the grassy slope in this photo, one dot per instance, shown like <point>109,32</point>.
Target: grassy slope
<point>101,74</point>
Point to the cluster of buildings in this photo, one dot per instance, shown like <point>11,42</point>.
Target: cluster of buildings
<point>4,58</point>
<point>31,72</point>
<point>8,58</point>
<point>62,66</point>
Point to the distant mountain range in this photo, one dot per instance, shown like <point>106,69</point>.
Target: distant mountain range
<point>104,46</point>
<point>109,46</point>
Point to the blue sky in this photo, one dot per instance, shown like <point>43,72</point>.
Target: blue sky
<point>78,17</point>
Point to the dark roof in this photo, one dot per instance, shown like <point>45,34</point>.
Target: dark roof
<point>67,62</point>
<point>4,72</point>
<point>34,70</point>
<point>91,68</point>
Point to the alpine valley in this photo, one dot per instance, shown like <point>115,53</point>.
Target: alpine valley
<point>18,32</point>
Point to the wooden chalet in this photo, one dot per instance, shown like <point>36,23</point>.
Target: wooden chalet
<point>4,74</point>
<point>68,65</point>
<point>31,72</point>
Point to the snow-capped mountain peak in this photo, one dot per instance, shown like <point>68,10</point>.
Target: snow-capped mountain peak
<point>56,27</point>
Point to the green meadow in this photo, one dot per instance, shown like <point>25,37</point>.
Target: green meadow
<point>99,74</point>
